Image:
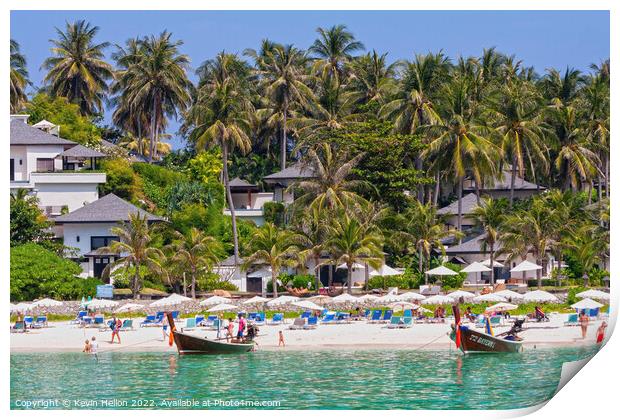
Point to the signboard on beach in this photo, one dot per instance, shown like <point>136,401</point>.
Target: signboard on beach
<point>105,291</point>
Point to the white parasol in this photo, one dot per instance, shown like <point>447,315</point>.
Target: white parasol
<point>172,300</point>
<point>510,294</point>
<point>222,307</point>
<point>255,300</point>
<point>411,296</point>
<point>215,300</point>
<point>490,297</point>
<point>594,294</point>
<point>502,306</point>
<point>130,307</point>
<point>438,300</point>
<point>586,303</point>
<point>539,296</point>
<point>456,295</point>
<point>46,302</point>
<point>101,304</point>
<point>306,304</point>
<point>345,297</point>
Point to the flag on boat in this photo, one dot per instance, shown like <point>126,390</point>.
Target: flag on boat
<point>488,327</point>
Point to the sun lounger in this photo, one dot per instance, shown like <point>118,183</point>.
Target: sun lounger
<point>329,318</point>
<point>200,319</point>
<point>175,315</point>
<point>190,324</point>
<point>343,317</point>
<point>127,325</point>
<point>40,322</point>
<point>376,316</point>
<point>260,318</point>
<point>306,314</point>
<point>394,322</point>
<point>407,313</point>
<point>387,316</point>
<point>87,321</point>
<point>594,313</point>
<point>407,322</point>
<point>252,316</point>
<point>148,321</point>
<point>79,317</point>
<point>19,327</point>
<point>573,320</point>
<point>422,319</point>
<point>366,313</point>
<point>28,321</point>
<point>312,323</point>
<point>277,319</point>
<point>496,321</point>
<point>298,324</point>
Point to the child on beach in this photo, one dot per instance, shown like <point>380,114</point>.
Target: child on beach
<point>86,347</point>
<point>164,327</point>
<point>116,328</point>
<point>280,338</point>
<point>94,347</point>
<point>600,333</point>
<point>229,329</point>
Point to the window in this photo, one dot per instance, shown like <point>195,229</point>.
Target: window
<point>97,242</point>
<point>45,165</point>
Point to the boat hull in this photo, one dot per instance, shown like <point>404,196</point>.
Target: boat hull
<point>189,344</point>
<point>473,341</point>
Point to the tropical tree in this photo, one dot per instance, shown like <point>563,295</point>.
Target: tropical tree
<point>371,79</point>
<point>78,70</point>
<point>19,78</point>
<point>561,88</point>
<point>156,79</point>
<point>282,74</point>
<point>220,116</point>
<point>274,247</point>
<point>312,230</point>
<point>588,247</point>
<point>332,50</point>
<point>490,215</point>
<point>136,250</point>
<point>350,241</point>
<point>197,252</point>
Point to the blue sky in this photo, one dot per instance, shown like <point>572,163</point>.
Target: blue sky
<point>541,39</point>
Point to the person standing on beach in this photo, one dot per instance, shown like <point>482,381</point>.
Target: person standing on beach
<point>229,330</point>
<point>94,347</point>
<point>584,320</point>
<point>600,333</point>
<point>164,327</point>
<point>241,328</point>
<point>280,339</point>
<point>116,328</point>
<point>86,347</point>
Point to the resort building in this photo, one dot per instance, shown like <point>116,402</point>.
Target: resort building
<point>88,229</point>
<point>500,187</point>
<point>451,211</point>
<point>283,179</point>
<point>235,274</point>
<point>248,201</point>
<point>58,172</point>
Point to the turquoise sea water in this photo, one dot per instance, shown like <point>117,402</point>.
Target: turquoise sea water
<point>377,379</point>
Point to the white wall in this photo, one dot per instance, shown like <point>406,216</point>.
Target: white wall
<point>18,153</point>
<point>42,151</point>
<point>73,196</point>
<point>71,231</point>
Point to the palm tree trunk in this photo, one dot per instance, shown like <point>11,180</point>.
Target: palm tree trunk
<point>418,166</point>
<point>460,205</point>
<point>600,189</point>
<point>420,260</point>
<point>538,274</point>
<point>348,278</point>
<point>193,283</point>
<point>513,175</point>
<point>437,186</point>
<point>491,258</point>
<point>589,192</point>
<point>283,141</point>
<point>366,276</point>
<point>607,176</point>
<point>135,287</point>
<point>153,128</point>
<point>477,192</point>
<point>317,273</point>
<point>330,278</point>
<point>274,282</point>
<point>230,203</point>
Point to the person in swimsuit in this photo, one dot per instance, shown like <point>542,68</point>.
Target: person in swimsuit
<point>280,339</point>
<point>86,347</point>
<point>600,333</point>
<point>583,322</point>
<point>116,328</point>
<point>229,329</point>
<point>241,328</point>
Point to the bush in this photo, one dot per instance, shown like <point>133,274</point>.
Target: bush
<point>401,281</point>
<point>274,213</point>
<point>453,282</point>
<point>572,298</point>
<point>212,281</point>
<point>298,281</point>
<point>121,180</point>
<point>37,272</point>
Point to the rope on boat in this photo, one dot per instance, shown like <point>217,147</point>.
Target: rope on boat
<point>431,342</point>
<point>127,345</point>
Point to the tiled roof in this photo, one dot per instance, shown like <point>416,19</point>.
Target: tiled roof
<point>80,151</point>
<point>296,171</point>
<point>503,183</point>
<point>241,183</point>
<point>109,208</point>
<point>469,202</point>
<point>473,246</point>
<point>24,134</point>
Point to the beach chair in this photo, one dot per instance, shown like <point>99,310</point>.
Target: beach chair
<point>407,313</point>
<point>79,317</point>
<point>312,323</point>
<point>594,313</point>
<point>306,314</point>
<point>343,317</point>
<point>200,319</point>
<point>407,322</point>
<point>159,319</point>
<point>87,321</point>
<point>252,316</point>
<point>480,322</point>
<point>573,320</point>
<point>260,318</point>
<point>211,320</point>
<point>277,319</point>
<point>19,327</point>
<point>329,318</point>
<point>496,321</point>
<point>40,322</point>
<point>376,316</point>
<point>394,322</point>
<point>298,324</point>
<point>127,325</point>
<point>190,324</point>
<point>366,313</point>
<point>387,316</point>
<point>28,321</point>
<point>175,315</point>
<point>148,321</point>
<point>422,319</point>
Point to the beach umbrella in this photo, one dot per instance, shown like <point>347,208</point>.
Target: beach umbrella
<point>411,296</point>
<point>539,296</point>
<point>22,307</point>
<point>438,300</point>
<point>403,305</point>
<point>101,304</point>
<point>490,297</point>
<point>390,297</point>
<point>282,300</point>
<point>496,264</point>
<point>46,302</point>
<point>320,299</point>
<point>586,303</point>
<point>172,300</point>
<point>356,266</point>
<point>255,300</point>
<point>509,294</point>
<point>368,297</point>
<point>214,300</point>
<point>502,306</point>
<point>476,267</point>
<point>130,307</point>
<point>441,271</point>
<point>222,307</point>
<point>456,295</point>
<point>594,294</point>
<point>306,304</point>
<point>525,266</point>
<point>345,297</point>
<point>385,270</point>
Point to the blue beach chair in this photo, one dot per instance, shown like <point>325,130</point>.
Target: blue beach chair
<point>28,321</point>
<point>312,323</point>
<point>387,316</point>
<point>199,320</point>
<point>190,324</point>
<point>407,313</point>
<point>329,318</point>
<point>376,316</point>
<point>394,322</point>
<point>407,322</point>
<point>573,320</point>
<point>40,322</point>
<point>79,317</point>
<point>260,318</point>
<point>306,314</point>
<point>127,325</point>
<point>148,321</point>
<point>277,319</point>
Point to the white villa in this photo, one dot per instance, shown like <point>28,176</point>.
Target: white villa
<point>248,201</point>
<point>52,168</point>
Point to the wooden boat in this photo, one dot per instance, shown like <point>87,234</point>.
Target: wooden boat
<point>191,344</point>
<point>472,341</point>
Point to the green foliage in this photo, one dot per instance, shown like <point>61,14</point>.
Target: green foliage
<point>28,224</point>
<point>73,125</point>
<point>274,213</point>
<point>211,281</point>
<point>572,292</point>
<point>402,281</point>
<point>299,281</point>
<point>38,272</point>
<point>194,192</point>
<point>453,282</point>
<point>121,180</point>
<point>206,166</point>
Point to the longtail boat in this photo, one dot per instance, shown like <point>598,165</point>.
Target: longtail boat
<point>472,341</point>
<point>191,344</point>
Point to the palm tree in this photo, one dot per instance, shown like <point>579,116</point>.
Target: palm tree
<point>588,248</point>
<point>421,226</point>
<point>334,47</point>
<point>19,78</point>
<point>278,248</point>
<point>157,80</point>
<point>330,185</point>
<point>312,230</point>
<point>371,79</point>
<point>350,241</point>
<point>561,88</point>
<point>135,249</point>
<point>220,116</point>
<point>77,70</point>
<point>196,251</point>
<point>135,144</point>
<point>490,216</point>
<point>517,115</point>
<point>282,72</point>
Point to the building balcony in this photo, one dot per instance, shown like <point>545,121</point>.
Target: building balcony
<point>68,177</point>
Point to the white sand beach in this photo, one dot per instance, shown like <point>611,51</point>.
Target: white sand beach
<point>63,336</point>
